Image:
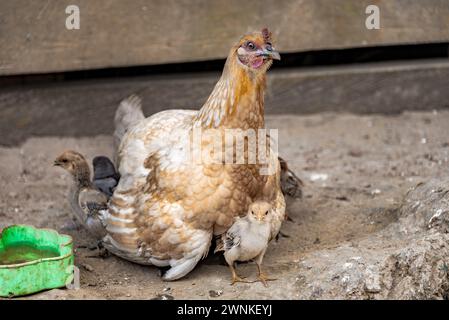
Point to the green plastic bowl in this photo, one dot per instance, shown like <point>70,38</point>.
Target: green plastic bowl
<point>47,265</point>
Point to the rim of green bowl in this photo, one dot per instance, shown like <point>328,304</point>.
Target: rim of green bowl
<point>62,257</point>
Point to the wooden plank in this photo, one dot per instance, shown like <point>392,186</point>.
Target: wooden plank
<point>114,33</point>
<point>86,108</point>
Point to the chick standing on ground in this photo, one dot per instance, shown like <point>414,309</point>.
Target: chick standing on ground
<point>105,176</point>
<point>248,238</point>
<point>86,201</point>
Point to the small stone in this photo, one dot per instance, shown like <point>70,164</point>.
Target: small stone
<point>317,292</point>
<point>163,297</point>
<point>355,153</point>
<point>88,267</point>
<point>215,293</point>
<point>319,176</point>
<point>372,282</point>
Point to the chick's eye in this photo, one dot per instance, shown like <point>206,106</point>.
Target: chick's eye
<point>64,160</point>
<point>250,45</point>
<point>266,213</point>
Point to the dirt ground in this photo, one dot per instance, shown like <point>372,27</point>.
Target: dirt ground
<point>357,170</point>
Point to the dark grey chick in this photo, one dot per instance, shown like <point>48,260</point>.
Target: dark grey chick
<point>105,176</point>
<point>291,185</point>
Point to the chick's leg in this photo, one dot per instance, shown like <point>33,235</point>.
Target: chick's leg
<point>235,277</point>
<point>262,276</point>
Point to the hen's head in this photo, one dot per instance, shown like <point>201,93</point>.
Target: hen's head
<point>255,51</point>
<point>71,161</point>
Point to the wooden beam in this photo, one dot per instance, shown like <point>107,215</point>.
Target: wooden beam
<point>115,33</point>
<point>86,108</point>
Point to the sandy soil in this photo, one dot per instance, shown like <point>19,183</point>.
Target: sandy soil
<point>356,170</point>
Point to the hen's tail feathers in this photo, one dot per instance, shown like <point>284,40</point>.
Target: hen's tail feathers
<point>180,268</point>
<point>291,185</point>
<point>128,113</point>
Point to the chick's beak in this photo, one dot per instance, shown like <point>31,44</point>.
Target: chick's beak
<point>56,163</point>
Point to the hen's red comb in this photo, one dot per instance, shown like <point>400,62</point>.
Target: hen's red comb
<point>266,35</point>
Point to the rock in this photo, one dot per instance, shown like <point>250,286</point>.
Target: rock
<point>372,281</point>
<point>215,293</point>
<point>355,153</point>
<point>163,297</point>
<point>87,267</point>
<point>426,206</point>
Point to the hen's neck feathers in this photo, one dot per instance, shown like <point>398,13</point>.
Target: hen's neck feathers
<point>237,100</point>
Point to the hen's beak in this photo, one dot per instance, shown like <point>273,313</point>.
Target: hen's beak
<point>273,54</point>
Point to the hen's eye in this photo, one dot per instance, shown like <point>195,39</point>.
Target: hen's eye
<point>250,45</point>
<point>269,47</point>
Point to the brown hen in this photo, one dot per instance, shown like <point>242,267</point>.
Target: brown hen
<point>168,204</point>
